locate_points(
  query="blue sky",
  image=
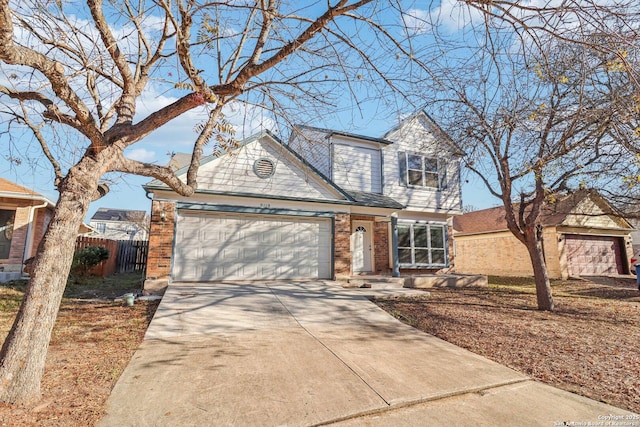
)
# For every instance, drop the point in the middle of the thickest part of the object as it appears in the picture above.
(368, 118)
(126, 191)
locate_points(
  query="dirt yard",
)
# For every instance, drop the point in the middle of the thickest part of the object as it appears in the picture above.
(93, 340)
(590, 345)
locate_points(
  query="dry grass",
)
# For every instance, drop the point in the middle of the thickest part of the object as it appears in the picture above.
(92, 342)
(589, 345)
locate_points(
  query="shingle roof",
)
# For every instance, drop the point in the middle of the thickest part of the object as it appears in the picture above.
(108, 214)
(353, 197)
(342, 133)
(493, 219)
(12, 187)
(374, 200)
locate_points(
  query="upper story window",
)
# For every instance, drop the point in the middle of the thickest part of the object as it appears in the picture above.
(101, 227)
(423, 171)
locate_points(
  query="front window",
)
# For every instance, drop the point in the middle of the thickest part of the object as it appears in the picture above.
(101, 227)
(421, 245)
(425, 171)
(6, 232)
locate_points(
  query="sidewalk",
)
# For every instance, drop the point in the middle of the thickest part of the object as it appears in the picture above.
(312, 354)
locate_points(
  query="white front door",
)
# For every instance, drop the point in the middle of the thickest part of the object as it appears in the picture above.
(361, 250)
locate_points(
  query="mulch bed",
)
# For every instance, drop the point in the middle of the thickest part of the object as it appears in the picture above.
(589, 345)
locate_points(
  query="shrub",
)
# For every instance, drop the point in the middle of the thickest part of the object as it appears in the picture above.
(87, 258)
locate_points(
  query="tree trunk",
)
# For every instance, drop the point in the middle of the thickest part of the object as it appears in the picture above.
(543, 287)
(23, 354)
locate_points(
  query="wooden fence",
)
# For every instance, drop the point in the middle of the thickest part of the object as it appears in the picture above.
(124, 255)
(132, 255)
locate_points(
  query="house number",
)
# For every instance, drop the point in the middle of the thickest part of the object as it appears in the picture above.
(265, 205)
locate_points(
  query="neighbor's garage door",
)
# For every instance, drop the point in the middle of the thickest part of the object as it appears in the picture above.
(222, 246)
(593, 255)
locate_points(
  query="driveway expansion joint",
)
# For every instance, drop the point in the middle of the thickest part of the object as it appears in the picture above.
(319, 341)
(410, 403)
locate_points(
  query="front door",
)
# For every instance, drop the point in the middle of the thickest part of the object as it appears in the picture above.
(361, 251)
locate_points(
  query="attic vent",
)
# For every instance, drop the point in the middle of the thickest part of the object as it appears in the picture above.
(264, 168)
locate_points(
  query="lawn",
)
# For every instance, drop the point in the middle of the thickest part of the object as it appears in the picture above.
(590, 345)
(93, 340)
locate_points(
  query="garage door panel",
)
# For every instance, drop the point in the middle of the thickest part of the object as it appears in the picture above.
(593, 255)
(221, 246)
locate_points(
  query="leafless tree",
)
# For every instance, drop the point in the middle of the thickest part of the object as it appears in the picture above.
(539, 112)
(76, 74)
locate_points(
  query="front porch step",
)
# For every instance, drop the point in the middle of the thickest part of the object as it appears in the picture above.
(373, 282)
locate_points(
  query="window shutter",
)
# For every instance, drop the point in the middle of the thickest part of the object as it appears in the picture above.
(442, 175)
(402, 167)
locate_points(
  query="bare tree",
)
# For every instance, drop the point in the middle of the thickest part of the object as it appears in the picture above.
(75, 75)
(536, 122)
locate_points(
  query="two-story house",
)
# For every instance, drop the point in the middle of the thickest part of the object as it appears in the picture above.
(324, 205)
(120, 224)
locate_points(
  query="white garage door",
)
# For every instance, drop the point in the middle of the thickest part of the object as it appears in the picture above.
(223, 246)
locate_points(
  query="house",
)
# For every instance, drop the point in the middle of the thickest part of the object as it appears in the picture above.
(582, 235)
(120, 224)
(635, 235)
(326, 204)
(24, 217)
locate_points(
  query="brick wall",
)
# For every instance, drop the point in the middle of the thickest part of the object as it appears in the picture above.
(41, 222)
(18, 240)
(501, 254)
(160, 240)
(342, 238)
(381, 247)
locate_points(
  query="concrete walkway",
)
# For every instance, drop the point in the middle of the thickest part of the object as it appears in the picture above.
(312, 353)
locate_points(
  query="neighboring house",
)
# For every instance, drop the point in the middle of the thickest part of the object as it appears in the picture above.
(635, 236)
(582, 236)
(327, 204)
(24, 217)
(120, 224)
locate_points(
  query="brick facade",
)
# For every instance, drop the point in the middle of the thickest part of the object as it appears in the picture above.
(160, 240)
(40, 224)
(342, 248)
(18, 240)
(381, 247)
(18, 249)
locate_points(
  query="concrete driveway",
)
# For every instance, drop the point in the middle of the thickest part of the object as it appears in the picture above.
(312, 353)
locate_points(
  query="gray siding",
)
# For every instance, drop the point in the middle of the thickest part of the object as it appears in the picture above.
(357, 167)
(234, 173)
(415, 136)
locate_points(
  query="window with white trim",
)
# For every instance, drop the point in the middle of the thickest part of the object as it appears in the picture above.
(423, 171)
(422, 245)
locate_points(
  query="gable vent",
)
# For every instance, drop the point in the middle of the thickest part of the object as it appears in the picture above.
(264, 168)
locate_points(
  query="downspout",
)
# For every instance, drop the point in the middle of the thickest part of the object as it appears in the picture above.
(29, 240)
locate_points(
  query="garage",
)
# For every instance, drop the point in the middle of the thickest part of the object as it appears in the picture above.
(593, 255)
(228, 246)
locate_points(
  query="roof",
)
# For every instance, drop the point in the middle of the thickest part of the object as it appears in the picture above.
(352, 197)
(347, 134)
(9, 189)
(12, 187)
(374, 200)
(555, 213)
(108, 214)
